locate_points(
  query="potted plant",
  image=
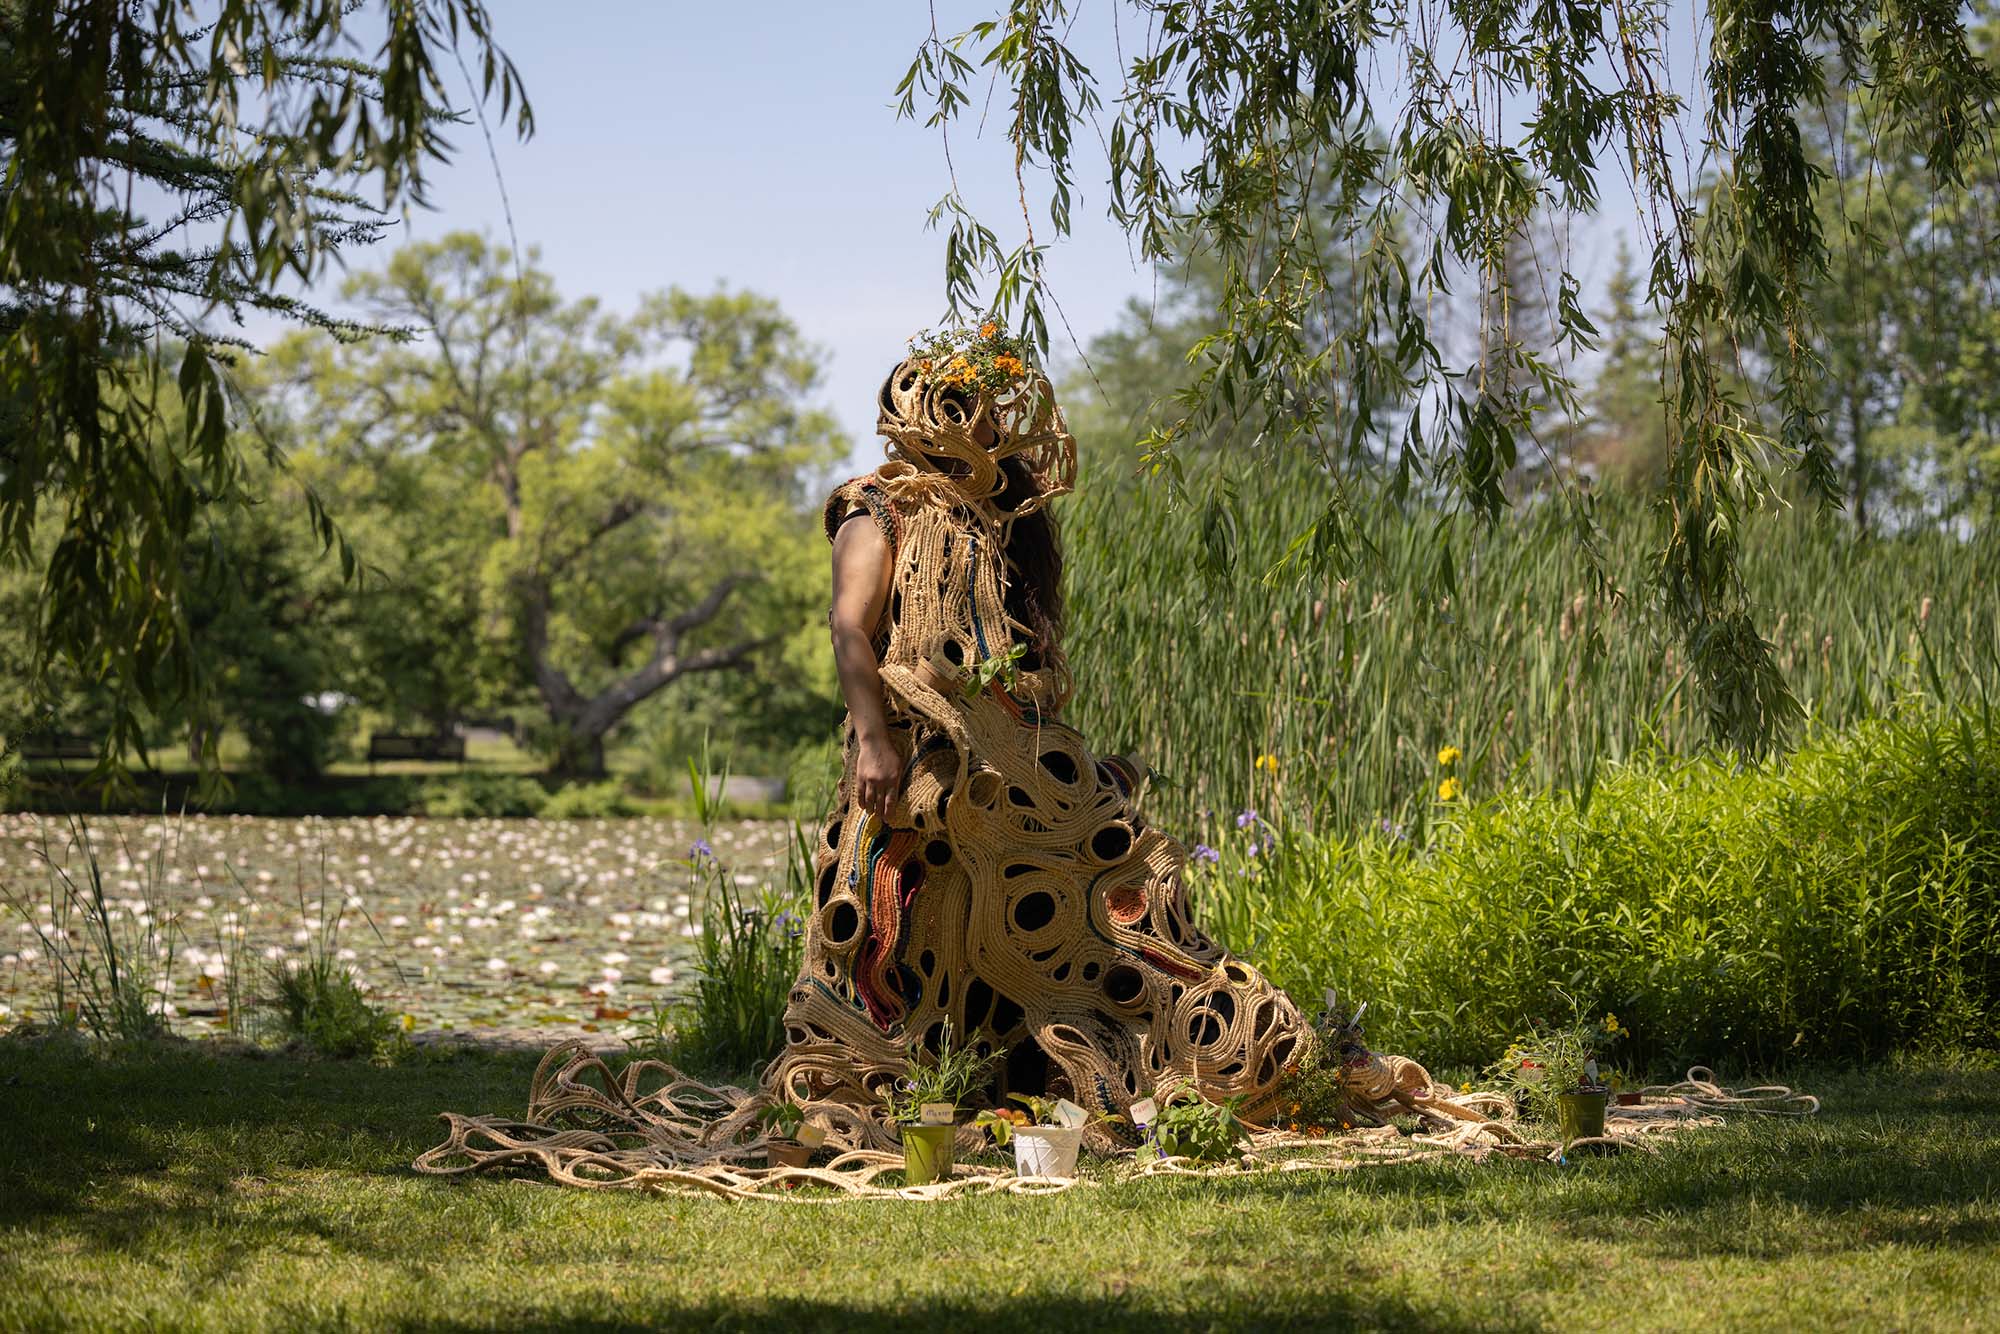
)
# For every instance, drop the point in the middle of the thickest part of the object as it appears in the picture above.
(792, 1138)
(1554, 1076)
(1183, 1124)
(924, 1105)
(1045, 1137)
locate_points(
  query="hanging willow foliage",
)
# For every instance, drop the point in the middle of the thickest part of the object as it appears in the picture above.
(1345, 162)
(164, 176)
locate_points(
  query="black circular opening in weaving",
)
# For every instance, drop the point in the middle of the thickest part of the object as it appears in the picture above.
(1111, 842)
(1123, 984)
(954, 652)
(1006, 1014)
(1016, 869)
(937, 852)
(1090, 971)
(1204, 1028)
(927, 963)
(1019, 796)
(826, 878)
(1035, 910)
(1224, 1006)
(1060, 765)
(843, 923)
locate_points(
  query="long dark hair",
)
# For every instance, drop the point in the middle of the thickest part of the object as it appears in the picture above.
(1034, 556)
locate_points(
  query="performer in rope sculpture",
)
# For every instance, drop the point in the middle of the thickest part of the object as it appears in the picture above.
(982, 867)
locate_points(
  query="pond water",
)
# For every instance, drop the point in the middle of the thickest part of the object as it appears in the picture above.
(510, 929)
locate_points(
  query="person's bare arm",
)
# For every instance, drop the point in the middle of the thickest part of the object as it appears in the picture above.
(861, 577)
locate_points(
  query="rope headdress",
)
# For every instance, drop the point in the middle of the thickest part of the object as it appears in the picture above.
(933, 402)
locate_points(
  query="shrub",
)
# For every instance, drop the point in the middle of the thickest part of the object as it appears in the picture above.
(481, 795)
(589, 801)
(1843, 902)
(319, 1002)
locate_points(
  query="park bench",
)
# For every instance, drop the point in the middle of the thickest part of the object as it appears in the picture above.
(60, 746)
(409, 746)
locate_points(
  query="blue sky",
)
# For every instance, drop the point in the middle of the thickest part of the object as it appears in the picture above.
(754, 145)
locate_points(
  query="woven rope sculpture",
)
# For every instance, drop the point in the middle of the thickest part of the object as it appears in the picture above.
(1014, 891)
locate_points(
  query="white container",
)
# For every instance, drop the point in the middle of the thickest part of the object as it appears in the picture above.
(1046, 1151)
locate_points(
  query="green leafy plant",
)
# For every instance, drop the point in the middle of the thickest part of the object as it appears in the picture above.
(1002, 667)
(1001, 1122)
(112, 956)
(747, 951)
(782, 1119)
(1187, 1125)
(944, 1076)
(318, 999)
(589, 801)
(1555, 1059)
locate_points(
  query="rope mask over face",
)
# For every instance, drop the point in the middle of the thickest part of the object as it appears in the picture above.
(935, 429)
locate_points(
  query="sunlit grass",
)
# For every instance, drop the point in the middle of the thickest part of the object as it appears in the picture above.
(187, 1190)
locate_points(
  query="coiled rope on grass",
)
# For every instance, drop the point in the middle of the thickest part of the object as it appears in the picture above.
(617, 1134)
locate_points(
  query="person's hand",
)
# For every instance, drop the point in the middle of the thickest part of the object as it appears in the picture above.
(878, 773)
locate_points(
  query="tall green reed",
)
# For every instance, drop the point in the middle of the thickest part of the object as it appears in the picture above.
(749, 943)
(1353, 685)
(111, 944)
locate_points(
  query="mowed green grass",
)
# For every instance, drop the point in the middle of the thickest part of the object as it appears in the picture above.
(190, 1190)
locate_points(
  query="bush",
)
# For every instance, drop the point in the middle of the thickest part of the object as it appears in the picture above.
(319, 1002)
(481, 795)
(589, 801)
(1843, 902)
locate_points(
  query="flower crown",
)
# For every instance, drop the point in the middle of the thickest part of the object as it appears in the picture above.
(952, 383)
(982, 358)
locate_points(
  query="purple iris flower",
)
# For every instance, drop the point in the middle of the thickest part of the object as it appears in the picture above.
(701, 849)
(1204, 853)
(1245, 818)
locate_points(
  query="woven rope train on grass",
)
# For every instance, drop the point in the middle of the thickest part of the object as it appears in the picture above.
(647, 1128)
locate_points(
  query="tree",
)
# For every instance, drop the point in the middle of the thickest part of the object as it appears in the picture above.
(165, 175)
(1626, 435)
(621, 488)
(1493, 112)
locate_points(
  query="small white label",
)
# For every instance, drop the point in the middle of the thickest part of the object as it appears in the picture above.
(1070, 1116)
(1590, 1071)
(810, 1135)
(1143, 1112)
(937, 1113)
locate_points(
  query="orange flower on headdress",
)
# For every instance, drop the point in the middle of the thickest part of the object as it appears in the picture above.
(988, 329)
(1009, 363)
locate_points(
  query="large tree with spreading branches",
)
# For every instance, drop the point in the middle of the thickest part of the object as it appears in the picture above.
(169, 175)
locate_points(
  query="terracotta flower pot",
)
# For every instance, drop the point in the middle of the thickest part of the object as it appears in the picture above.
(786, 1153)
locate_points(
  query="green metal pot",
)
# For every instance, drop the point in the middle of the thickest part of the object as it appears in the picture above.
(1581, 1115)
(927, 1154)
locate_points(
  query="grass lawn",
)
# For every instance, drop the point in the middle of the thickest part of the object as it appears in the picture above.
(187, 1189)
